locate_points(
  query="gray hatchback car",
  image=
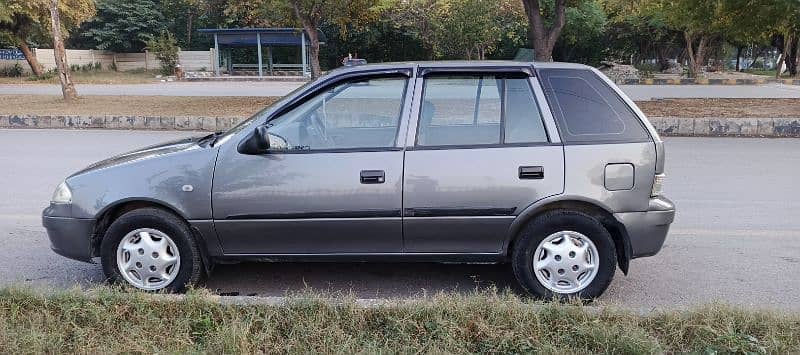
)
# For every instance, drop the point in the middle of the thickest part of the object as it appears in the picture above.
(546, 166)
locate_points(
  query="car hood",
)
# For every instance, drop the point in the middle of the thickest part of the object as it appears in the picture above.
(147, 153)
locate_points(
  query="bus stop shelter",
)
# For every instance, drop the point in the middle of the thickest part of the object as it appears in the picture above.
(260, 38)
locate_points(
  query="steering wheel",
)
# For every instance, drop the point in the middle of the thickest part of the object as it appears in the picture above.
(317, 132)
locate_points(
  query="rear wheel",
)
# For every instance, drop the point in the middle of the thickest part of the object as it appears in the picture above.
(152, 250)
(563, 254)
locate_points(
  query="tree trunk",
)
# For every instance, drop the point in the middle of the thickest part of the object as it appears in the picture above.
(313, 50)
(755, 58)
(67, 88)
(310, 23)
(790, 54)
(542, 38)
(36, 68)
(696, 58)
(663, 62)
(189, 20)
(738, 58)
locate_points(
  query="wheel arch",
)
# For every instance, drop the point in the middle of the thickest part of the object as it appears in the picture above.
(113, 211)
(593, 208)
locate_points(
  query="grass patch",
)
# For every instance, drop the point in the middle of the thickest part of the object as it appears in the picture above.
(487, 322)
(134, 105)
(88, 77)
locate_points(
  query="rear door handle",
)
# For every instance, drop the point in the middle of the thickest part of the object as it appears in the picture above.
(373, 176)
(531, 172)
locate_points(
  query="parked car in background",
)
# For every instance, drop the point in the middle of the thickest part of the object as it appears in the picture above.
(547, 166)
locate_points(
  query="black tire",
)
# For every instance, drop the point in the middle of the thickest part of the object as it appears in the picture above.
(190, 272)
(552, 222)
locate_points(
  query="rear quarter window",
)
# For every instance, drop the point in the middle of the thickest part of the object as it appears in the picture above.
(587, 110)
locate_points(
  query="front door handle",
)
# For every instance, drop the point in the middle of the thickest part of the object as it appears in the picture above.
(373, 176)
(531, 172)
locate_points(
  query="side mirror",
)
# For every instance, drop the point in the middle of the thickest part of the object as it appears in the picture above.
(256, 143)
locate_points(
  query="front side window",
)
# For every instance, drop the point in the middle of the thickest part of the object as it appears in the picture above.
(356, 114)
(478, 110)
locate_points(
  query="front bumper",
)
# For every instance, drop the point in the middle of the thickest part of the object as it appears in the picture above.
(648, 230)
(70, 237)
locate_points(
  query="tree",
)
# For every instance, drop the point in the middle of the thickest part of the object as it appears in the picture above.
(471, 29)
(420, 19)
(310, 14)
(634, 33)
(700, 21)
(545, 24)
(25, 20)
(67, 88)
(461, 29)
(786, 27)
(583, 38)
(124, 26)
(166, 50)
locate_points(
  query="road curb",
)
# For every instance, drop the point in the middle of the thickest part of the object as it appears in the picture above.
(705, 81)
(667, 126)
(727, 127)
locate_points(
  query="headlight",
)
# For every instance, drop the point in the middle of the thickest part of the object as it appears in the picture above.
(658, 185)
(62, 194)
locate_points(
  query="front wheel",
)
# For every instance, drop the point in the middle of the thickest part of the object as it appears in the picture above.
(564, 254)
(152, 250)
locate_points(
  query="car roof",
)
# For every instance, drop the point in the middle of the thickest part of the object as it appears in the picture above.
(455, 64)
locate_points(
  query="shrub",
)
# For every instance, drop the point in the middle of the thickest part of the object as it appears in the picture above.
(52, 73)
(12, 71)
(166, 50)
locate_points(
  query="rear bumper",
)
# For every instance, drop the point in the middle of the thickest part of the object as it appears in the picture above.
(648, 230)
(70, 237)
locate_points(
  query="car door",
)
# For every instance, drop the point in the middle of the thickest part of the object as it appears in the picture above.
(482, 152)
(331, 182)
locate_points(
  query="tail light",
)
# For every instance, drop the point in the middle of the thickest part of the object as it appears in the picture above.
(658, 185)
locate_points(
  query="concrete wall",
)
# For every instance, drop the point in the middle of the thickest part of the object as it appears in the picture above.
(189, 60)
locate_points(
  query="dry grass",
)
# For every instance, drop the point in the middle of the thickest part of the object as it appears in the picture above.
(90, 77)
(114, 321)
(725, 108)
(134, 105)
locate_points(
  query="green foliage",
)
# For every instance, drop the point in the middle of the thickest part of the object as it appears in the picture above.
(472, 29)
(46, 76)
(12, 71)
(459, 29)
(88, 67)
(166, 50)
(124, 26)
(583, 38)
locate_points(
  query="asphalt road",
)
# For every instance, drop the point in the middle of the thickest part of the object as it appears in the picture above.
(736, 237)
(636, 92)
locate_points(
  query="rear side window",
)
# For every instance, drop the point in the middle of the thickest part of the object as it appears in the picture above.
(588, 110)
(478, 110)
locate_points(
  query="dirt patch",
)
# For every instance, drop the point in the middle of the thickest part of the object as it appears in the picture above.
(723, 108)
(237, 106)
(135, 105)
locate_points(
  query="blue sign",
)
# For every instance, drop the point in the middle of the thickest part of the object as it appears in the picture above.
(11, 54)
